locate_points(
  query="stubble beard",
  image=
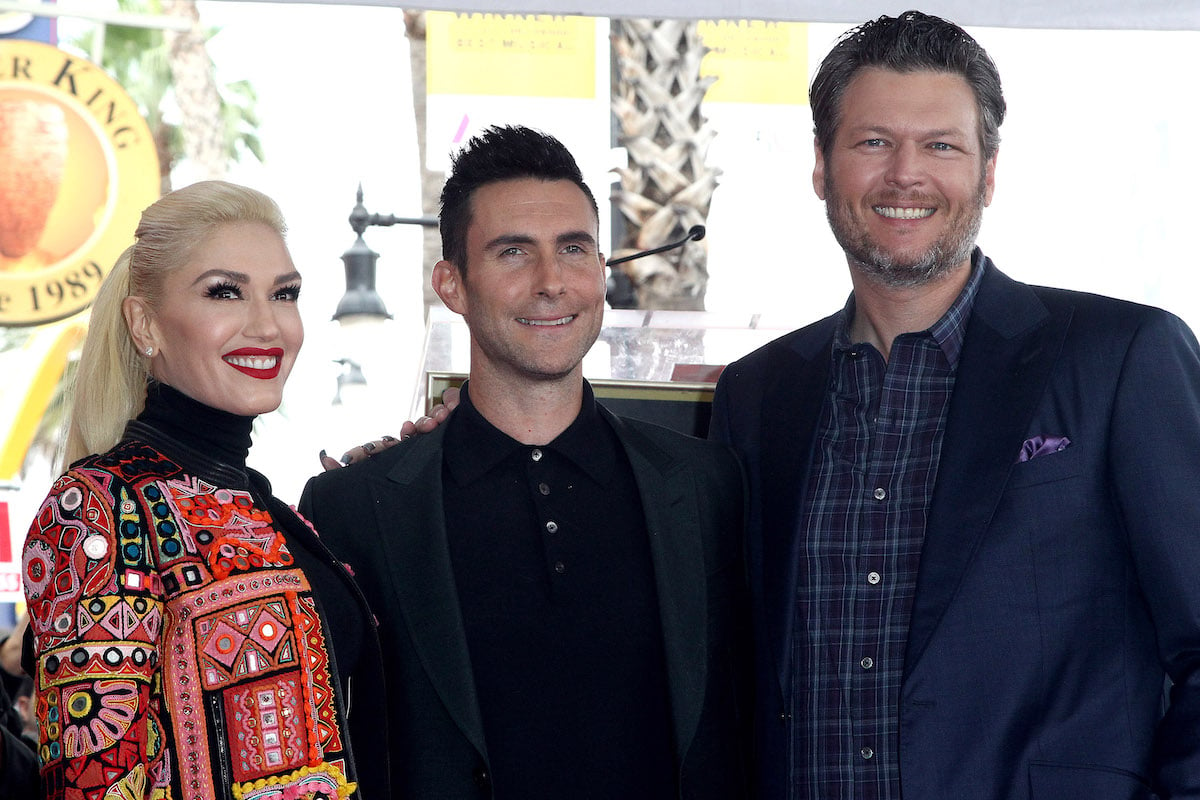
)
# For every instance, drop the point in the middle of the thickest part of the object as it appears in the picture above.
(890, 269)
(528, 364)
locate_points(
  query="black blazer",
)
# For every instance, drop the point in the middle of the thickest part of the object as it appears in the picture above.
(385, 518)
(1054, 595)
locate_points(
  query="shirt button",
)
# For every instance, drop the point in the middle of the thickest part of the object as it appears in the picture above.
(551, 527)
(536, 455)
(544, 489)
(867, 753)
(873, 578)
(560, 567)
(867, 662)
(880, 493)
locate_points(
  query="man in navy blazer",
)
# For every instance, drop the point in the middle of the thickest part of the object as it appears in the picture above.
(560, 592)
(974, 540)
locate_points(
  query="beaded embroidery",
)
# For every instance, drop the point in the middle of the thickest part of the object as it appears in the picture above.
(179, 650)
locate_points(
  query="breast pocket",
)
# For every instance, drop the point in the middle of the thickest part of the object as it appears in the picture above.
(1049, 468)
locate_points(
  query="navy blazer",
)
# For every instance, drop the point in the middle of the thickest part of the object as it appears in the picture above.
(385, 517)
(1055, 596)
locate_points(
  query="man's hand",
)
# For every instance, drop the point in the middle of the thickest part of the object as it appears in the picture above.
(426, 424)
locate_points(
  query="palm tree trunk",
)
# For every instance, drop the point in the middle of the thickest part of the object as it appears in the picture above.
(431, 181)
(667, 186)
(196, 92)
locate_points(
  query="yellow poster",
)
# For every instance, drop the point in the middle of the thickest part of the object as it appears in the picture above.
(77, 166)
(511, 54)
(756, 61)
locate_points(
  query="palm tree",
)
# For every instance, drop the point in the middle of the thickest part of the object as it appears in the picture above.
(219, 123)
(667, 186)
(196, 92)
(431, 180)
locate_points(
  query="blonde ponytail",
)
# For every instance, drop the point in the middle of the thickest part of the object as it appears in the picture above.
(110, 382)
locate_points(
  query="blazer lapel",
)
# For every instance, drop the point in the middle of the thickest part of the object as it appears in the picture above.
(408, 503)
(668, 493)
(798, 381)
(1009, 352)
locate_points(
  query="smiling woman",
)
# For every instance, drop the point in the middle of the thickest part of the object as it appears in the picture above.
(191, 635)
(226, 330)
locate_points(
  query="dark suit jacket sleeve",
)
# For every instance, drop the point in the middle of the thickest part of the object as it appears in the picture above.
(1155, 463)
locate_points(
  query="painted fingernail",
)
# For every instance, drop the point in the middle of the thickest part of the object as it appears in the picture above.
(389, 438)
(346, 458)
(323, 455)
(369, 447)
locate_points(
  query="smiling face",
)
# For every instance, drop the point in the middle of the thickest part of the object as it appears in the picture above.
(533, 291)
(227, 329)
(905, 182)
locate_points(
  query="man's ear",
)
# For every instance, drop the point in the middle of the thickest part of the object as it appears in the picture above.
(448, 283)
(989, 178)
(818, 170)
(139, 319)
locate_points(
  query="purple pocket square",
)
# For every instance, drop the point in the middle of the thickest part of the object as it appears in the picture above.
(1041, 445)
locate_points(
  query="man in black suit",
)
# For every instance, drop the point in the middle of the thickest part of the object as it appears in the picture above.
(559, 590)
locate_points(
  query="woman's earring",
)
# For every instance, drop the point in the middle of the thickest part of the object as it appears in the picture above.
(149, 351)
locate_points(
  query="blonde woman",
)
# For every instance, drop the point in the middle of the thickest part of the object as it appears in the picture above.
(194, 639)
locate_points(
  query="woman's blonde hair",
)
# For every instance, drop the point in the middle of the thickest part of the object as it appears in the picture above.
(110, 383)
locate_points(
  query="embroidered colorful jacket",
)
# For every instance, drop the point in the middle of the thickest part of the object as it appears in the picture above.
(180, 650)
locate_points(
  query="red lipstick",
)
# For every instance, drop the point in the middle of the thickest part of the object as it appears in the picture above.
(256, 362)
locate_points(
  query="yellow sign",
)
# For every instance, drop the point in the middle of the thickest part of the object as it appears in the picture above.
(756, 61)
(511, 54)
(77, 166)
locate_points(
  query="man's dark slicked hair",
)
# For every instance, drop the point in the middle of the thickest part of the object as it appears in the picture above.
(500, 153)
(912, 42)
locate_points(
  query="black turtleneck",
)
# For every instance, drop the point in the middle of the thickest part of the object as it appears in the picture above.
(213, 445)
(215, 434)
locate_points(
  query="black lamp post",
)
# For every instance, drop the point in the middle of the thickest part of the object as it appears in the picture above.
(361, 299)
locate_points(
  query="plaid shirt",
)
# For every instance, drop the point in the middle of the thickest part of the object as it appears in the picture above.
(863, 523)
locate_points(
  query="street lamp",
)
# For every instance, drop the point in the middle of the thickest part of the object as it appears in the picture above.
(361, 300)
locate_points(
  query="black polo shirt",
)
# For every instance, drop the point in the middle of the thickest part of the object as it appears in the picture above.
(554, 576)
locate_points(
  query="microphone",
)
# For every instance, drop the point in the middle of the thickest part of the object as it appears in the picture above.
(694, 234)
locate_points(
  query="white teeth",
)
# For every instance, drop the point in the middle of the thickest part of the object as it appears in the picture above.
(545, 323)
(252, 362)
(891, 212)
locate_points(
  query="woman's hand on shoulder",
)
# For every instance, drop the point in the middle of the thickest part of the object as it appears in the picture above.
(426, 424)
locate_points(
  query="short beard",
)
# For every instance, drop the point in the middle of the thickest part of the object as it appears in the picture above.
(939, 260)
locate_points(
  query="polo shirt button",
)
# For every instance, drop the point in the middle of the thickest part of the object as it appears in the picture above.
(867, 662)
(481, 777)
(536, 455)
(560, 567)
(551, 526)
(867, 753)
(873, 578)
(880, 493)
(544, 489)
